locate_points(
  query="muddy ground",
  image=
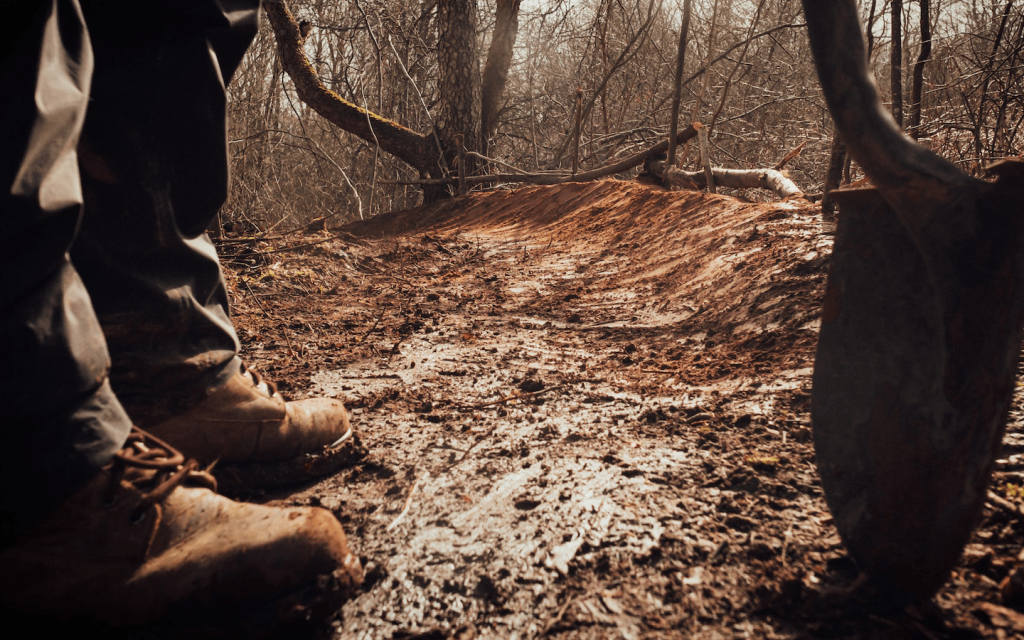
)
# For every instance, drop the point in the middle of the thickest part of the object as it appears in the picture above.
(585, 415)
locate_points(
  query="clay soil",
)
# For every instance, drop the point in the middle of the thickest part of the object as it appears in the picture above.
(585, 414)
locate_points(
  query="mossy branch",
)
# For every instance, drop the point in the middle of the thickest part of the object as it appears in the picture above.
(409, 146)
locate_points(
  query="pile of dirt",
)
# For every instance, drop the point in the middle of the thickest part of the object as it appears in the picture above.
(586, 415)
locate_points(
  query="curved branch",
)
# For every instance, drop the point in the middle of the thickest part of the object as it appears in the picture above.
(405, 144)
(916, 182)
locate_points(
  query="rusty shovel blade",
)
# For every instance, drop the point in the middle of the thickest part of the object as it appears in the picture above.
(913, 379)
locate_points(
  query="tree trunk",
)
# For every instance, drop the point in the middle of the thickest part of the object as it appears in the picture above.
(499, 57)
(458, 80)
(914, 117)
(677, 87)
(896, 62)
(833, 176)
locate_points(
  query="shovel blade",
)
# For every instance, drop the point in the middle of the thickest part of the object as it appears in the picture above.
(907, 411)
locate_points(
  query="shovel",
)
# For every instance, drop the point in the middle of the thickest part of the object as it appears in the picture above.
(920, 333)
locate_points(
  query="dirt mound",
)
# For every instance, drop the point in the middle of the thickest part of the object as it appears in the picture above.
(705, 262)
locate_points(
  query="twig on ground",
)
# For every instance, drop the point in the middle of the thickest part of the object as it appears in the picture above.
(1005, 504)
(376, 322)
(512, 396)
(258, 303)
(296, 247)
(597, 325)
(465, 454)
(408, 501)
(550, 624)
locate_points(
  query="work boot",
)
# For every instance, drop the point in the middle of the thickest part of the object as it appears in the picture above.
(247, 420)
(147, 540)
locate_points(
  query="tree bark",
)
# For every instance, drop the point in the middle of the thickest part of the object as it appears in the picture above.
(499, 57)
(677, 87)
(458, 76)
(914, 117)
(833, 176)
(413, 148)
(896, 62)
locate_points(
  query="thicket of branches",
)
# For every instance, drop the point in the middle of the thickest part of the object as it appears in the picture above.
(748, 76)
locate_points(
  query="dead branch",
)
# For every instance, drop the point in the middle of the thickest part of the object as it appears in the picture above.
(561, 178)
(408, 501)
(705, 159)
(789, 156)
(1004, 504)
(408, 145)
(627, 54)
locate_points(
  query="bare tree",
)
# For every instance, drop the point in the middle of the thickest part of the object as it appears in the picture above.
(914, 117)
(896, 61)
(293, 164)
(499, 58)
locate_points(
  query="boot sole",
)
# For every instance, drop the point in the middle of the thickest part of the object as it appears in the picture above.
(242, 477)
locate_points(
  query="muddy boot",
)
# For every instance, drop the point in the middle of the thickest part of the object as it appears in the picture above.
(258, 438)
(147, 541)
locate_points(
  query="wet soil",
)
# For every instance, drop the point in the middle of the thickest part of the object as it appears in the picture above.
(585, 410)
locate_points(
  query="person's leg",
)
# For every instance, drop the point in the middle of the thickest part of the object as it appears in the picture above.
(62, 423)
(98, 519)
(155, 171)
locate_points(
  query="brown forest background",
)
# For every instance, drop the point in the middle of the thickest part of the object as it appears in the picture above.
(748, 76)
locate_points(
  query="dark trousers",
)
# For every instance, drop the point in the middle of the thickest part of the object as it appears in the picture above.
(115, 311)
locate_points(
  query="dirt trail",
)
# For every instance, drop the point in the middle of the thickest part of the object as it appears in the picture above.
(586, 415)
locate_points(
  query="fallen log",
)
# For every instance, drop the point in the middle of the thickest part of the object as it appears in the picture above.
(674, 178)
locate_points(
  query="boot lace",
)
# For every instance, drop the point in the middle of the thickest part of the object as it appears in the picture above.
(155, 468)
(265, 386)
